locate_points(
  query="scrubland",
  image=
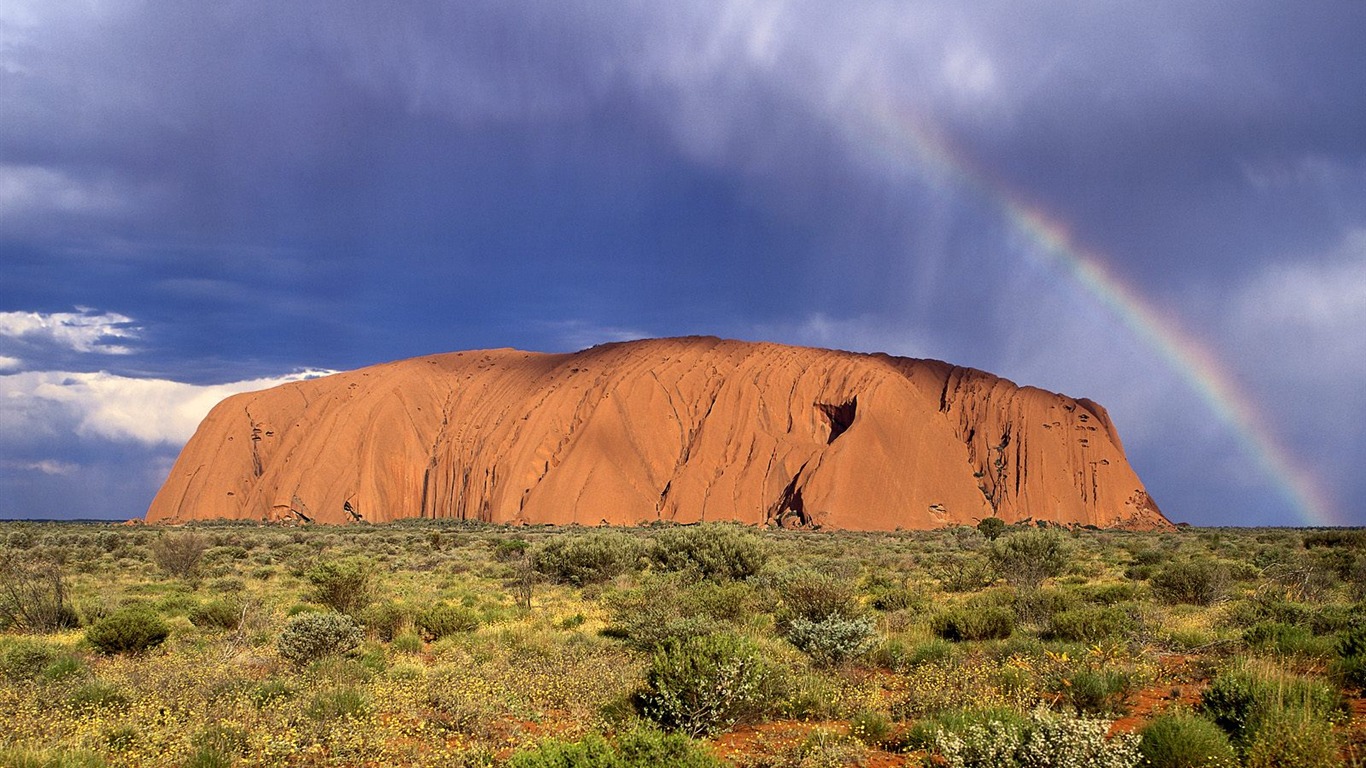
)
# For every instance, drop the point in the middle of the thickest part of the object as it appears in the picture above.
(455, 644)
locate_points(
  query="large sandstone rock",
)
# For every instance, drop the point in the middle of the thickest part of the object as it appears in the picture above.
(670, 429)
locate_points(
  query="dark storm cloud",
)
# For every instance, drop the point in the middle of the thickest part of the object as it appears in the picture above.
(264, 187)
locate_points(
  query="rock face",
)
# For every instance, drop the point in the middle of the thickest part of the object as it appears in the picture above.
(670, 429)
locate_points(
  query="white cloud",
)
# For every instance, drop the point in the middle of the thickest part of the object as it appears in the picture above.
(28, 189)
(855, 334)
(1308, 314)
(82, 331)
(8, 363)
(103, 405)
(969, 73)
(45, 466)
(573, 335)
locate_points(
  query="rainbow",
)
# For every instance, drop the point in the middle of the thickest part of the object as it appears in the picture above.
(907, 140)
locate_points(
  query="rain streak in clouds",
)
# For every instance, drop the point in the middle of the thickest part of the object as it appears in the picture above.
(201, 200)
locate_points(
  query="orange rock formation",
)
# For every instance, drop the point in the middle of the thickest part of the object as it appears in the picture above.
(670, 429)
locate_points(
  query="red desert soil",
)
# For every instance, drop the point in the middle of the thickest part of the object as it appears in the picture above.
(667, 429)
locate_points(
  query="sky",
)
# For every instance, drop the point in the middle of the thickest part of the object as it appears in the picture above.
(1160, 206)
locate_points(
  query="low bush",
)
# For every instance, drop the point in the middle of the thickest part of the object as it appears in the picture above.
(1039, 606)
(1110, 594)
(337, 703)
(1185, 740)
(132, 629)
(344, 586)
(510, 550)
(24, 658)
(1190, 582)
(1242, 696)
(1025, 559)
(964, 573)
(1287, 639)
(1090, 625)
(814, 596)
(871, 728)
(834, 639)
(640, 747)
(983, 622)
(704, 684)
(312, 636)
(179, 554)
(1044, 740)
(1287, 737)
(664, 608)
(992, 528)
(225, 613)
(220, 742)
(64, 667)
(443, 620)
(716, 551)
(897, 598)
(33, 596)
(1095, 691)
(96, 695)
(384, 620)
(587, 559)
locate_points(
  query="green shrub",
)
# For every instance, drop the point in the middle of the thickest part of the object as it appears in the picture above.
(24, 658)
(96, 695)
(225, 613)
(1039, 606)
(344, 586)
(311, 636)
(508, 550)
(814, 596)
(871, 728)
(1096, 691)
(664, 608)
(337, 703)
(61, 668)
(992, 528)
(408, 642)
(636, 748)
(1045, 740)
(832, 640)
(716, 551)
(1352, 642)
(224, 740)
(982, 622)
(587, 559)
(384, 620)
(208, 757)
(443, 620)
(1240, 697)
(704, 684)
(897, 598)
(964, 573)
(1109, 594)
(1287, 639)
(1350, 539)
(1025, 559)
(1292, 737)
(33, 596)
(17, 757)
(133, 629)
(179, 554)
(1090, 625)
(270, 691)
(1189, 582)
(1184, 740)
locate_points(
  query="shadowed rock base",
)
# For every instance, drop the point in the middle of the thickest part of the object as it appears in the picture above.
(670, 429)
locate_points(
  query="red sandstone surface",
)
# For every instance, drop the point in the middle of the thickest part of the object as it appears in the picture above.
(667, 429)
